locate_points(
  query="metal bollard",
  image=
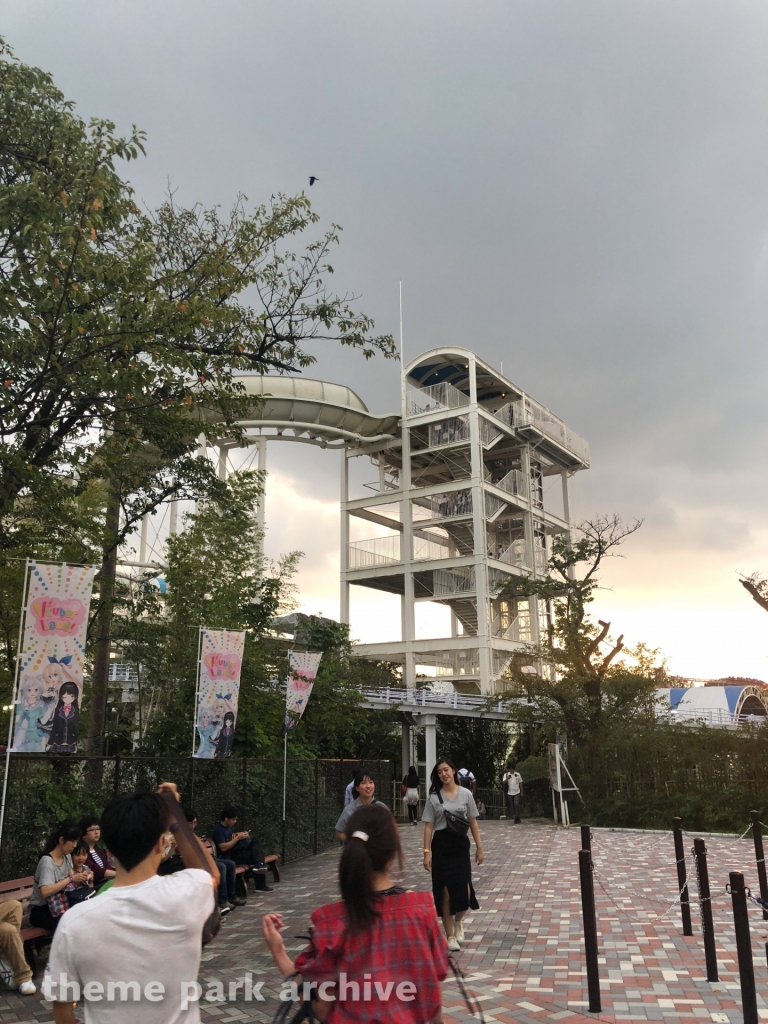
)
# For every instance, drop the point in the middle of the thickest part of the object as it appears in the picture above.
(590, 930)
(707, 927)
(586, 838)
(682, 876)
(757, 835)
(743, 948)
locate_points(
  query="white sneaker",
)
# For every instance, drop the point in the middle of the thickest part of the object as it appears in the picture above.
(27, 988)
(453, 944)
(458, 930)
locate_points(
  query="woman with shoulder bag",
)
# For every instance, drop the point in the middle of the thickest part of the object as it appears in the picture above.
(53, 875)
(378, 954)
(449, 814)
(411, 794)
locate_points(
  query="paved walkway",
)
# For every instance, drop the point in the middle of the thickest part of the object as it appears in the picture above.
(523, 956)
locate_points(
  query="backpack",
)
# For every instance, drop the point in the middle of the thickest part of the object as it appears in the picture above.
(465, 781)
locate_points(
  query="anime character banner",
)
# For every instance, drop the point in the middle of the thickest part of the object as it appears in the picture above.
(218, 691)
(303, 666)
(50, 682)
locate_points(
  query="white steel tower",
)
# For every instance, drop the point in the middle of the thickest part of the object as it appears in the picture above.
(459, 505)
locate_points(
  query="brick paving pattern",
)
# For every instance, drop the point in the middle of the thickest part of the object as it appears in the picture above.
(523, 955)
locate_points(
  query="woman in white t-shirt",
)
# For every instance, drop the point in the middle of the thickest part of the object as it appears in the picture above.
(446, 853)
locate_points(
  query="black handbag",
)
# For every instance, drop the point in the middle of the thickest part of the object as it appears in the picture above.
(453, 822)
(80, 894)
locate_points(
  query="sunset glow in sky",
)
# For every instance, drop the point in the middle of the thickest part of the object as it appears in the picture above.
(577, 190)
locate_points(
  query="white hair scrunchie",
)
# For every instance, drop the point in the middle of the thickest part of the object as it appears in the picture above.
(360, 835)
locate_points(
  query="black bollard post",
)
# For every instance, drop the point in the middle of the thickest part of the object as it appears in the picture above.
(682, 876)
(757, 835)
(586, 838)
(705, 905)
(590, 930)
(743, 948)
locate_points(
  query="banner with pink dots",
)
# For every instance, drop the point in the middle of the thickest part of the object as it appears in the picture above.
(51, 660)
(218, 691)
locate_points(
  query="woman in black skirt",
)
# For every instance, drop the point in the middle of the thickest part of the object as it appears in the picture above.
(446, 854)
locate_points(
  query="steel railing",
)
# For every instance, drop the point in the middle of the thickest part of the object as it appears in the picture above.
(362, 554)
(434, 397)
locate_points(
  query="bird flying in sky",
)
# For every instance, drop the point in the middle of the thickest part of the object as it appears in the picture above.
(312, 180)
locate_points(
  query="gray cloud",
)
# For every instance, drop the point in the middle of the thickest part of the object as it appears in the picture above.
(575, 189)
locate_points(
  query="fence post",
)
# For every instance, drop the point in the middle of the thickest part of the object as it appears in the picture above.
(586, 838)
(682, 876)
(743, 948)
(757, 835)
(117, 774)
(243, 795)
(317, 798)
(590, 930)
(705, 904)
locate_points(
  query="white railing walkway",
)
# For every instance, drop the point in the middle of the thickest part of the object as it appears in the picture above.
(716, 717)
(437, 703)
(520, 413)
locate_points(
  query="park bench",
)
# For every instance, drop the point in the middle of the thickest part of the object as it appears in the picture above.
(272, 862)
(21, 889)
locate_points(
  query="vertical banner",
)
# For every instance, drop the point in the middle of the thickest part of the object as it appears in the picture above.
(302, 670)
(218, 691)
(50, 674)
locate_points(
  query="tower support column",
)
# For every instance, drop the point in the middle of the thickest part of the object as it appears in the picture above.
(430, 736)
(405, 755)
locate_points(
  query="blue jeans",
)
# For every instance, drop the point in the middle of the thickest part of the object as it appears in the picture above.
(227, 890)
(513, 805)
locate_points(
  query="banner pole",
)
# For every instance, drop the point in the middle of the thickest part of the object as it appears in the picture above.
(285, 777)
(12, 717)
(197, 688)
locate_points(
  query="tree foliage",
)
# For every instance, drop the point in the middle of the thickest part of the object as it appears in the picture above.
(120, 329)
(583, 677)
(480, 744)
(756, 585)
(216, 576)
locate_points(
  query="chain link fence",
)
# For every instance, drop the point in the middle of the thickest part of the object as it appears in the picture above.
(44, 790)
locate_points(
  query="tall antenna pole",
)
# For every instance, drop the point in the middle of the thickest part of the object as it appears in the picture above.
(402, 360)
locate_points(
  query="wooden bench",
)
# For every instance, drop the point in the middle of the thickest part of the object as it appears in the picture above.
(21, 889)
(271, 861)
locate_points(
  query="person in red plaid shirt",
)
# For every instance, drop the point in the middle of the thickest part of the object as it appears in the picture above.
(379, 955)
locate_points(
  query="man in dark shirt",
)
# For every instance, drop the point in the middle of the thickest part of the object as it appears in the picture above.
(239, 847)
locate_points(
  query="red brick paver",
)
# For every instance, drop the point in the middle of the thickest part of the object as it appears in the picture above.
(523, 956)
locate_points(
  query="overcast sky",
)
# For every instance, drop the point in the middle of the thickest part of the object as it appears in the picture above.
(578, 190)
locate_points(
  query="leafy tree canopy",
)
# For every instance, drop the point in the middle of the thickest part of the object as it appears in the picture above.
(578, 679)
(120, 329)
(216, 576)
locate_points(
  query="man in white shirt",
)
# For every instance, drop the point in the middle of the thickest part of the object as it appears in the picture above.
(133, 953)
(467, 780)
(513, 787)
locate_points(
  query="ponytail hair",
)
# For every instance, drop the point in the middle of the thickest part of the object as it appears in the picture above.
(361, 857)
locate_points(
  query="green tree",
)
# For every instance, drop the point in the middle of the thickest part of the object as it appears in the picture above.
(121, 329)
(121, 324)
(479, 744)
(216, 575)
(578, 679)
(335, 724)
